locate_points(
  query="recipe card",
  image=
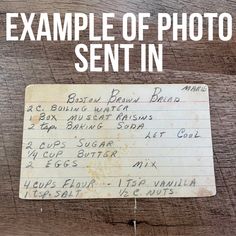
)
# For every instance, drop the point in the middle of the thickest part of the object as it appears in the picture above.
(116, 141)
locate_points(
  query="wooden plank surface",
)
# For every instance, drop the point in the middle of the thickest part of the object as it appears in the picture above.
(213, 63)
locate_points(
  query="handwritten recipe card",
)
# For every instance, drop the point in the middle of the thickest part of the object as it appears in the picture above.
(117, 141)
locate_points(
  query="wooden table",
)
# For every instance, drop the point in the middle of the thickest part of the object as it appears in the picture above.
(213, 63)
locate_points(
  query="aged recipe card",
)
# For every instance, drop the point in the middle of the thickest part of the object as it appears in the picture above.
(117, 141)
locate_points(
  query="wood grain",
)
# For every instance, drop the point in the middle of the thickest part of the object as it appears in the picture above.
(213, 63)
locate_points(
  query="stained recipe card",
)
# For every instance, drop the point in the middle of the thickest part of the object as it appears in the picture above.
(117, 141)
